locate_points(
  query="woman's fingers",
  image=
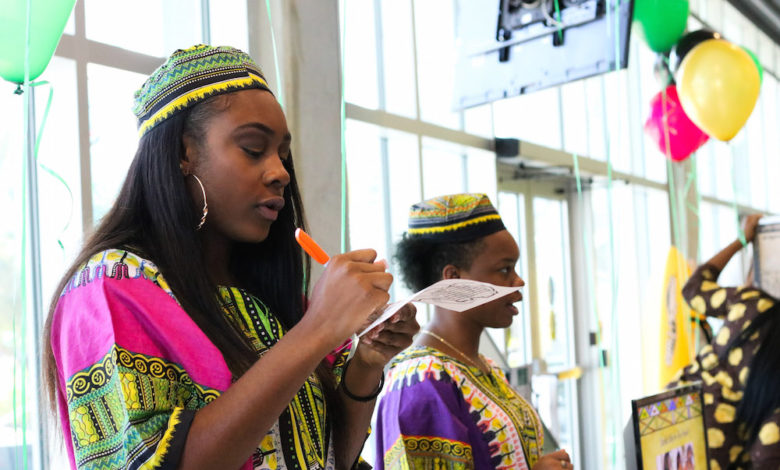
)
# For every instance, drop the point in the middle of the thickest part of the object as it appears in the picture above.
(554, 460)
(367, 256)
(396, 341)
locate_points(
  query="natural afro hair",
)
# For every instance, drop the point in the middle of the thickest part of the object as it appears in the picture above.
(421, 261)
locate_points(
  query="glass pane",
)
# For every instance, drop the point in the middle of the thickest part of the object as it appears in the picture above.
(444, 168)
(365, 189)
(654, 160)
(757, 177)
(229, 25)
(718, 229)
(704, 159)
(534, 117)
(625, 222)
(766, 52)
(436, 55)
(404, 175)
(712, 13)
(479, 120)
(70, 26)
(11, 197)
(361, 85)
(554, 315)
(552, 275)
(151, 27)
(511, 206)
(724, 179)
(733, 23)
(594, 107)
(481, 172)
(576, 125)
(58, 161)
(397, 48)
(772, 142)
(618, 119)
(112, 131)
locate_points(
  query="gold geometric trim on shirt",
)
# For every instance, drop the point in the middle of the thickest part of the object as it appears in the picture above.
(95, 377)
(428, 453)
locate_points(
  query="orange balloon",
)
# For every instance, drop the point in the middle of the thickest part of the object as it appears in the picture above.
(718, 84)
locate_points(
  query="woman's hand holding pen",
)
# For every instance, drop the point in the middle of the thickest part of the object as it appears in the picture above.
(350, 289)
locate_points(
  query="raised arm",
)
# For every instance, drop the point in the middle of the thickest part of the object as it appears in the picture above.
(702, 291)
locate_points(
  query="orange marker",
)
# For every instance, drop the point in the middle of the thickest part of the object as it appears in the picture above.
(311, 247)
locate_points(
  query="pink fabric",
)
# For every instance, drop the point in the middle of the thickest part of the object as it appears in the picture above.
(134, 314)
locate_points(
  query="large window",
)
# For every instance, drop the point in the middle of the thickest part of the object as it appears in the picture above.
(399, 80)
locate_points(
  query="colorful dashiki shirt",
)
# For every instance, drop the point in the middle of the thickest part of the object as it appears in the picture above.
(438, 413)
(724, 372)
(133, 369)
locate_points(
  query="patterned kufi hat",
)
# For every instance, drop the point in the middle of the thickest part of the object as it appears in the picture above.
(190, 76)
(454, 218)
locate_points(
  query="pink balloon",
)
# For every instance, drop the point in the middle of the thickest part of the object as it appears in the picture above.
(667, 118)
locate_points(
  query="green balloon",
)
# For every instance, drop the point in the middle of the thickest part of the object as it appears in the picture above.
(662, 22)
(758, 64)
(47, 21)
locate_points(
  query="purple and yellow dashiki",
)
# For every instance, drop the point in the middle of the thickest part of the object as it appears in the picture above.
(133, 369)
(439, 413)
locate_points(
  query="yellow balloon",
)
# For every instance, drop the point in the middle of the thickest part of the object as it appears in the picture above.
(718, 84)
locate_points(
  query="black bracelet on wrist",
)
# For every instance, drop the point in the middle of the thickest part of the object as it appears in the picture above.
(355, 397)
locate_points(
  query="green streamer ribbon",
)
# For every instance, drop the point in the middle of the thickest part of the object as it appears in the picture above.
(25, 203)
(343, 131)
(615, 363)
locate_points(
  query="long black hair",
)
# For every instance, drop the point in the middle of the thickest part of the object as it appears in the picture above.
(155, 217)
(761, 396)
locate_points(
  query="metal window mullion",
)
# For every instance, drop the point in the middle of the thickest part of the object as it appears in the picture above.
(417, 114)
(380, 55)
(205, 21)
(81, 59)
(384, 156)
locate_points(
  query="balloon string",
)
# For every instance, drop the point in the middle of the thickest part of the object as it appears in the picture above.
(38, 138)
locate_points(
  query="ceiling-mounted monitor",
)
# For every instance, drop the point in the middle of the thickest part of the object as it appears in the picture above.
(510, 47)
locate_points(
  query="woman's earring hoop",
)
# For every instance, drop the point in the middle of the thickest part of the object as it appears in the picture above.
(205, 204)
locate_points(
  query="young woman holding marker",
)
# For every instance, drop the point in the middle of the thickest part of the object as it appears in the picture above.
(181, 337)
(444, 404)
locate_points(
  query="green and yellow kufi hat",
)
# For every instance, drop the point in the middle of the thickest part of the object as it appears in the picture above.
(454, 218)
(190, 76)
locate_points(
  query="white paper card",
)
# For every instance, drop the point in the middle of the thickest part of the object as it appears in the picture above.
(458, 295)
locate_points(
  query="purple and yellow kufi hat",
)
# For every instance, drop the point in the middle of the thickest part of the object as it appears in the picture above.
(190, 76)
(454, 218)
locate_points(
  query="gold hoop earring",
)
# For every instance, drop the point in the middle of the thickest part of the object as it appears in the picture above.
(205, 204)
